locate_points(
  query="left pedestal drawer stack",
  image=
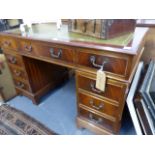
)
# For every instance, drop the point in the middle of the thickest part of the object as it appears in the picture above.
(16, 65)
(18, 72)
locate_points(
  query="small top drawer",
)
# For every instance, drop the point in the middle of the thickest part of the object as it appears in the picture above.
(8, 43)
(114, 90)
(27, 47)
(114, 65)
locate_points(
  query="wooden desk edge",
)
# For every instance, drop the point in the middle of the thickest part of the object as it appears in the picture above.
(139, 34)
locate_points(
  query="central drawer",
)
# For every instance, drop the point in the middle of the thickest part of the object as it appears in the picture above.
(49, 51)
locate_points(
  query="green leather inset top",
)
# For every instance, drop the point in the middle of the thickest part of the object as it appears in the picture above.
(49, 31)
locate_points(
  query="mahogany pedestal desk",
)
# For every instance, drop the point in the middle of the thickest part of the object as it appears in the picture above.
(41, 59)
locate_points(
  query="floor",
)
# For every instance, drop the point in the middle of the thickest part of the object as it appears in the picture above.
(57, 111)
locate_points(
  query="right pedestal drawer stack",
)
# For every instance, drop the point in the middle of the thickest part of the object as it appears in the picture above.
(99, 111)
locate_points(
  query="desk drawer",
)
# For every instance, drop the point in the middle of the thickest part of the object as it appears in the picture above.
(14, 59)
(8, 43)
(114, 65)
(27, 47)
(21, 85)
(96, 119)
(47, 51)
(102, 106)
(56, 52)
(114, 90)
(18, 72)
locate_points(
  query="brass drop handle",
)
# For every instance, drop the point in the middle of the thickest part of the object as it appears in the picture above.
(92, 85)
(99, 107)
(12, 59)
(91, 117)
(20, 84)
(28, 48)
(17, 73)
(7, 43)
(58, 55)
(94, 64)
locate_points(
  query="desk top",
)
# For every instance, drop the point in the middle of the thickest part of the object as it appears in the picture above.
(128, 43)
(50, 32)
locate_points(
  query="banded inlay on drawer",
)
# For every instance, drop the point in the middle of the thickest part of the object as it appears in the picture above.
(9, 43)
(98, 105)
(115, 65)
(114, 90)
(48, 51)
(27, 47)
(56, 52)
(18, 72)
(14, 59)
(96, 119)
(21, 85)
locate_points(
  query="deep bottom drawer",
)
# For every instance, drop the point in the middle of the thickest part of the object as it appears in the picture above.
(21, 85)
(97, 120)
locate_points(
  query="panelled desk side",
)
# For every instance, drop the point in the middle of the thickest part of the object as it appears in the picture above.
(101, 112)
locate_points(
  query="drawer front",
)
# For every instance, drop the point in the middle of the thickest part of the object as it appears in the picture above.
(99, 105)
(114, 90)
(21, 85)
(96, 119)
(14, 59)
(27, 47)
(8, 43)
(111, 64)
(47, 51)
(56, 52)
(18, 72)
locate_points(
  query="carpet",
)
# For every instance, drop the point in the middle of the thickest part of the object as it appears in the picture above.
(15, 122)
